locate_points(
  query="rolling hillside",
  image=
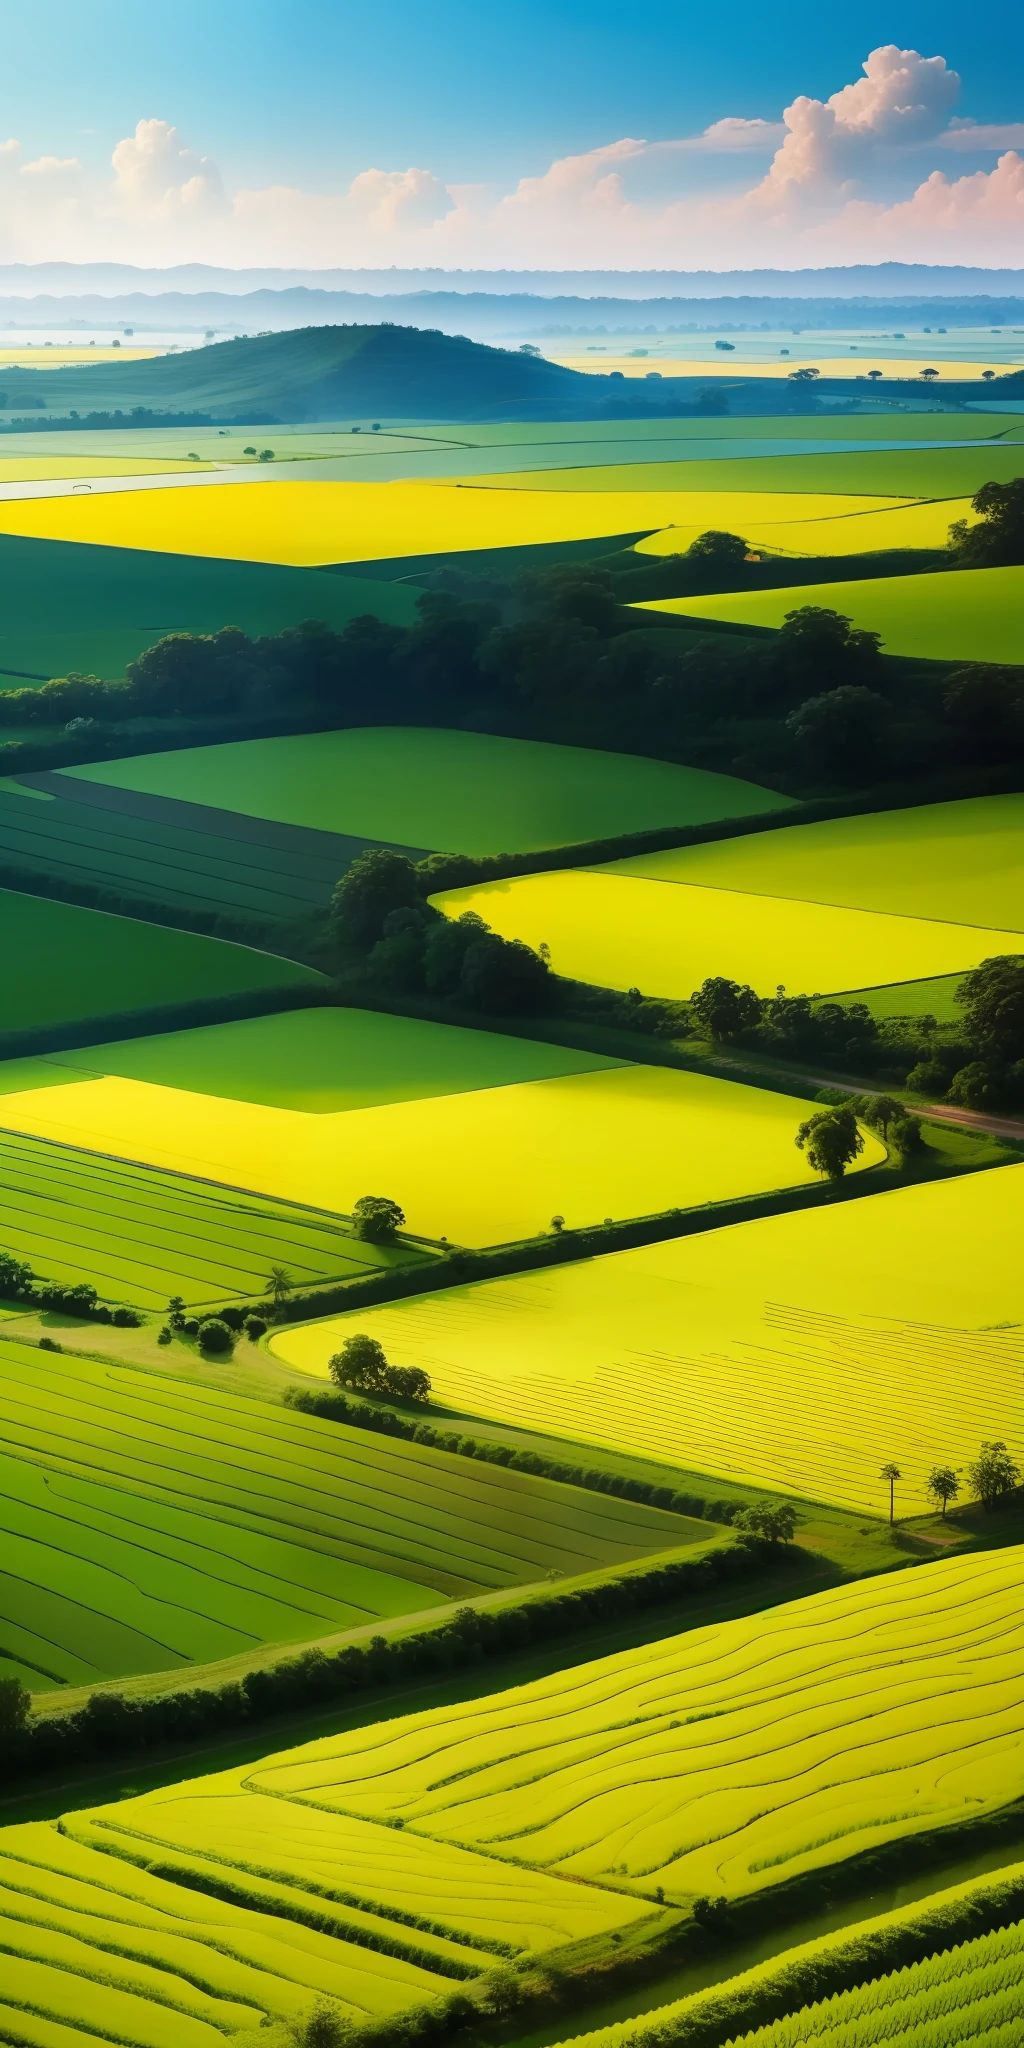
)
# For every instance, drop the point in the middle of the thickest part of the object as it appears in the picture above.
(336, 372)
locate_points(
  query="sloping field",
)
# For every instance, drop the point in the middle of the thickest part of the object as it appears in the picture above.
(620, 928)
(140, 1235)
(866, 473)
(92, 1945)
(16, 469)
(89, 609)
(309, 524)
(454, 792)
(148, 848)
(591, 1141)
(147, 1523)
(966, 1990)
(724, 1760)
(974, 1992)
(951, 615)
(828, 532)
(801, 1352)
(74, 963)
(960, 863)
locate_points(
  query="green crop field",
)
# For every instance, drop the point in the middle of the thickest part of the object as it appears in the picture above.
(622, 928)
(146, 848)
(954, 614)
(875, 472)
(67, 606)
(140, 1235)
(725, 1760)
(149, 1524)
(455, 792)
(378, 1865)
(800, 1352)
(971, 1993)
(420, 1112)
(959, 1990)
(73, 964)
(961, 863)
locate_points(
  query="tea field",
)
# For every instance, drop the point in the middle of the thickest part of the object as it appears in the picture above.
(74, 964)
(148, 1524)
(623, 927)
(323, 1107)
(424, 787)
(800, 1352)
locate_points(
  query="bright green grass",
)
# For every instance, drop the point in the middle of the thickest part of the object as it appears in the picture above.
(65, 963)
(952, 615)
(959, 863)
(76, 607)
(936, 998)
(139, 1234)
(323, 1060)
(147, 1523)
(901, 473)
(459, 792)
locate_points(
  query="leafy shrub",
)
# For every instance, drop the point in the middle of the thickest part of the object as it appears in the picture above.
(190, 1327)
(48, 1344)
(126, 1319)
(254, 1326)
(377, 1219)
(165, 1335)
(214, 1334)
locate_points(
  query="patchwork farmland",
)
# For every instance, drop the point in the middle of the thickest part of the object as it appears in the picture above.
(511, 1138)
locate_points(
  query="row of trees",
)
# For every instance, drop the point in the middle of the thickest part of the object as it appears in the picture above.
(993, 1477)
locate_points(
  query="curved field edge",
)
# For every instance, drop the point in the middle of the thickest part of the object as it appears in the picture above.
(836, 1963)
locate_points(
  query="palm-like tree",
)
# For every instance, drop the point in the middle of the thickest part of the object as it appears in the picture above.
(279, 1284)
(891, 1473)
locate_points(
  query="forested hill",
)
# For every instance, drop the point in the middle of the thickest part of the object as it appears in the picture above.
(320, 373)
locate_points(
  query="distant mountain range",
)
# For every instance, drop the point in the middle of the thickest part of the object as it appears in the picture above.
(873, 280)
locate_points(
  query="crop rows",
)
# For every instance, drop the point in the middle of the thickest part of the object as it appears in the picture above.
(724, 1760)
(799, 1351)
(148, 1523)
(972, 1993)
(176, 863)
(139, 1234)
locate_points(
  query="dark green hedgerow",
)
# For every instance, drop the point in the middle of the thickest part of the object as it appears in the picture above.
(334, 1407)
(112, 1724)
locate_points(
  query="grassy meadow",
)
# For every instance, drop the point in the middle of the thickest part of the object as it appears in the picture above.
(584, 1137)
(149, 1524)
(800, 1352)
(75, 964)
(958, 614)
(450, 792)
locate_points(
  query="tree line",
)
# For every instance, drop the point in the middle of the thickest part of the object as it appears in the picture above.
(554, 654)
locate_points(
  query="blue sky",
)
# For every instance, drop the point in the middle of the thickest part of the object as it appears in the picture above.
(312, 94)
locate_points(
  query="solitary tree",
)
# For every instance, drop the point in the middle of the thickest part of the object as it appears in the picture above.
(322, 2027)
(874, 375)
(724, 1009)
(715, 550)
(996, 541)
(831, 1141)
(279, 1284)
(773, 1523)
(361, 1362)
(943, 1486)
(929, 376)
(891, 1473)
(377, 1219)
(994, 1475)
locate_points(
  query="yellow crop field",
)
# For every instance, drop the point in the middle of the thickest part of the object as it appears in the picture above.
(960, 862)
(52, 355)
(740, 366)
(858, 532)
(615, 927)
(801, 1352)
(309, 524)
(487, 1166)
(18, 469)
(725, 1760)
